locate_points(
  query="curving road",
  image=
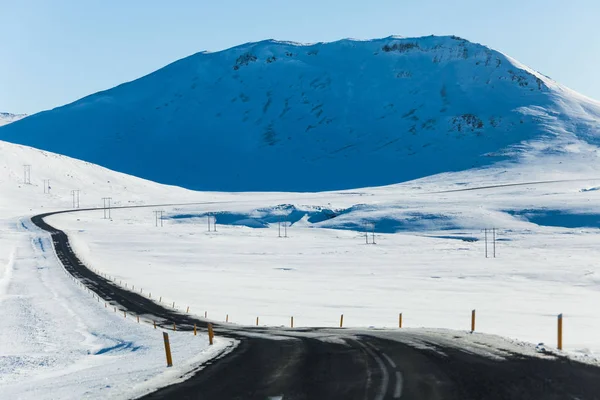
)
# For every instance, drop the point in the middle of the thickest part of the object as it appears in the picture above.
(276, 363)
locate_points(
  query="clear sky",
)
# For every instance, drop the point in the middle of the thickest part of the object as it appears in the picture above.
(53, 52)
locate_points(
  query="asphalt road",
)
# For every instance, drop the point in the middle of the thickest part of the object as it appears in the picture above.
(274, 363)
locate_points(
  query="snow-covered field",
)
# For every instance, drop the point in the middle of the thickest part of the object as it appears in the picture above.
(432, 269)
(428, 263)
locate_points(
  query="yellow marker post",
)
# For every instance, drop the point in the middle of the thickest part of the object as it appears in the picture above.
(400, 320)
(154, 323)
(211, 334)
(473, 321)
(256, 321)
(168, 349)
(227, 318)
(174, 326)
(292, 322)
(138, 319)
(188, 309)
(560, 324)
(205, 314)
(342, 321)
(194, 329)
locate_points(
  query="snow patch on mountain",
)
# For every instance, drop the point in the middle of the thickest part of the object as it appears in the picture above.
(7, 118)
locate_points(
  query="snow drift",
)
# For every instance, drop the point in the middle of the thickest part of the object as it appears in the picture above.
(283, 116)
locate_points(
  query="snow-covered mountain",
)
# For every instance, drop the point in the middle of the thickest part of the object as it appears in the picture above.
(284, 116)
(7, 118)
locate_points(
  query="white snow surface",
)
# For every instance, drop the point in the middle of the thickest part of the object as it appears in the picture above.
(421, 265)
(425, 263)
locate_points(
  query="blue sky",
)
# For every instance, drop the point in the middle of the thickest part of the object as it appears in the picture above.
(54, 52)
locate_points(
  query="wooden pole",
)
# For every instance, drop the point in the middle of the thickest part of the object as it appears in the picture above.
(400, 320)
(168, 349)
(292, 322)
(342, 321)
(560, 326)
(473, 321)
(211, 334)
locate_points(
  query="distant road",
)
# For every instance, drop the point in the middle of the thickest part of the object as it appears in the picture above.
(516, 184)
(320, 363)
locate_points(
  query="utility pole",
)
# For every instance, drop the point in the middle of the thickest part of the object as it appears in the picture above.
(75, 194)
(106, 200)
(213, 219)
(27, 174)
(486, 247)
(369, 226)
(156, 217)
(494, 240)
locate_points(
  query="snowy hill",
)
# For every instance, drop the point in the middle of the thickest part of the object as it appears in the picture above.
(284, 116)
(63, 174)
(7, 118)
